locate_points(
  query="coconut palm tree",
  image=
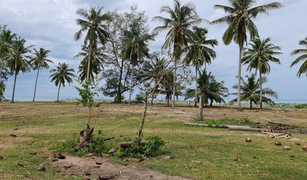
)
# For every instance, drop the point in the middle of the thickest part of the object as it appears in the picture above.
(17, 59)
(96, 65)
(199, 53)
(95, 29)
(251, 91)
(203, 85)
(60, 75)
(239, 18)
(303, 56)
(182, 17)
(135, 48)
(6, 41)
(258, 57)
(38, 62)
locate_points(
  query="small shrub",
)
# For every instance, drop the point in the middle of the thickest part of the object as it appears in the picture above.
(139, 97)
(217, 125)
(116, 99)
(300, 106)
(152, 145)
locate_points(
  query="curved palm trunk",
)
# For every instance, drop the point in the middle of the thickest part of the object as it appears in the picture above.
(239, 77)
(131, 81)
(200, 113)
(35, 84)
(139, 135)
(260, 76)
(58, 93)
(174, 85)
(196, 68)
(13, 94)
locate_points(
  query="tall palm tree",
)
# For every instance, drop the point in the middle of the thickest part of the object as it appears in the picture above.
(96, 65)
(239, 18)
(135, 48)
(60, 75)
(199, 53)
(17, 59)
(303, 56)
(38, 62)
(251, 91)
(181, 18)
(95, 29)
(6, 41)
(258, 57)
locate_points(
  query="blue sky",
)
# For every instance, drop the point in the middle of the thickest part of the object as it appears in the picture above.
(52, 24)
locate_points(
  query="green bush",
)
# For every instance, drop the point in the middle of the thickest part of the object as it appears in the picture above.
(300, 106)
(152, 145)
(139, 97)
(116, 99)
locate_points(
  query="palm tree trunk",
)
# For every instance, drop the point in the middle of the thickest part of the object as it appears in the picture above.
(13, 94)
(250, 104)
(35, 84)
(139, 135)
(200, 114)
(58, 93)
(1, 67)
(239, 77)
(167, 100)
(119, 94)
(260, 76)
(131, 81)
(89, 62)
(152, 98)
(211, 102)
(174, 85)
(196, 68)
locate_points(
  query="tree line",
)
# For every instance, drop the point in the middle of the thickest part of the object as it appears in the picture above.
(116, 49)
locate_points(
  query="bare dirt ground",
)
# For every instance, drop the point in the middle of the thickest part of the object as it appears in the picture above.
(100, 168)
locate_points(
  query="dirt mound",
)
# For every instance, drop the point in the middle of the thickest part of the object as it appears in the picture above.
(95, 167)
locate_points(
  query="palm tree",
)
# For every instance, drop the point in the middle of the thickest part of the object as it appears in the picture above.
(61, 75)
(258, 57)
(239, 18)
(251, 91)
(17, 59)
(199, 53)
(95, 30)
(96, 65)
(216, 92)
(203, 85)
(303, 68)
(38, 62)
(182, 17)
(6, 41)
(135, 48)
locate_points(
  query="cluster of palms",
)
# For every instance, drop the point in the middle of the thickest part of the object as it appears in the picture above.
(110, 40)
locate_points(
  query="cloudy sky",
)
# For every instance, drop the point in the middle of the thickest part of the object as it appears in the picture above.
(52, 24)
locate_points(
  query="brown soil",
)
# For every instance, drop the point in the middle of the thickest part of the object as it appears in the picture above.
(88, 168)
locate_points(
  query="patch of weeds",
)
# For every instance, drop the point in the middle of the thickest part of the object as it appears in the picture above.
(148, 148)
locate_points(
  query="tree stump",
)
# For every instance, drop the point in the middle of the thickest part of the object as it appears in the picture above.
(85, 141)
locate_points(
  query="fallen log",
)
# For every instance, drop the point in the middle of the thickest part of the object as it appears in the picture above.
(106, 139)
(244, 128)
(85, 140)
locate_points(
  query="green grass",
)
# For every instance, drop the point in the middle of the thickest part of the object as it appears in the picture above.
(41, 125)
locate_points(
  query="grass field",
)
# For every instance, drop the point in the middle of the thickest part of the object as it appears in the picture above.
(40, 125)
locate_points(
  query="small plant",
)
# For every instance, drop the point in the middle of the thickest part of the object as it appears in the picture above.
(147, 148)
(217, 125)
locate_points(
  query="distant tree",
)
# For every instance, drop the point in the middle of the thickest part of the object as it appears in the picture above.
(239, 19)
(136, 46)
(97, 64)
(303, 56)
(60, 75)
(250, 91)
(181, 18)
(258, 57)
(95, 28)
(199, 53)
(38, 62)
(17, 59)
